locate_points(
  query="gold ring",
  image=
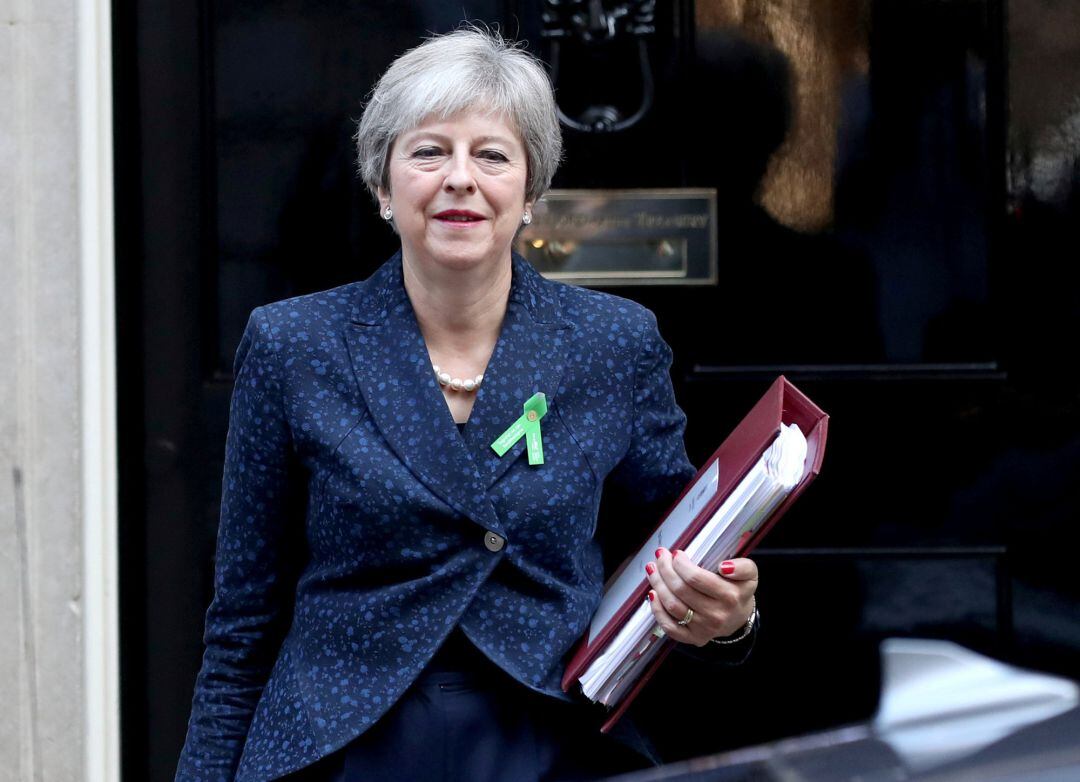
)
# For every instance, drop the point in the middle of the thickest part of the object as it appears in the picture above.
(688, 618)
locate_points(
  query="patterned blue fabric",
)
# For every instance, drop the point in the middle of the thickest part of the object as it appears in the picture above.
(334, 392)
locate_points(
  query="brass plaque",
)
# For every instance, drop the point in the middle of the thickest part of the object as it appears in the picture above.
(624, 237)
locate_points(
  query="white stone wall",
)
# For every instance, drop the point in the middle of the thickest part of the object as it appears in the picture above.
(43, 680)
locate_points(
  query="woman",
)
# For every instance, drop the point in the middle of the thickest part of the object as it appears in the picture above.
(442, 585)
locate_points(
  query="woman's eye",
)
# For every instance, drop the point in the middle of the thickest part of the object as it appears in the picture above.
(493, 155)
(427, 152)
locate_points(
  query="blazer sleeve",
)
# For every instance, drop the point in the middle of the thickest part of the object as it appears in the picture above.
(244, 620)
(655, 469)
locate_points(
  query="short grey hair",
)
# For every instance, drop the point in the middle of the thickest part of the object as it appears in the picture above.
(467, 70)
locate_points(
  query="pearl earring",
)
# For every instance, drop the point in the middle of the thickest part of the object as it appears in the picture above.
(388, 213)
(526, 218)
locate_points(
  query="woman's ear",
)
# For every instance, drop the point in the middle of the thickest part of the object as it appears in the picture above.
(384, 199)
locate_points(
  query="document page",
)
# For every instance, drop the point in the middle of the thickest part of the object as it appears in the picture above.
(676, 523)
(750, 503)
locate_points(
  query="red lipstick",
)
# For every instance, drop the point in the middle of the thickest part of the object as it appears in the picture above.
(459, 216)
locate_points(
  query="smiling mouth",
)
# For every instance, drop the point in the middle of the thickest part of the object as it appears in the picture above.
(456, 216)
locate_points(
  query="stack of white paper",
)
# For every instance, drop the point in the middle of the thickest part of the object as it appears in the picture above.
(765, 486)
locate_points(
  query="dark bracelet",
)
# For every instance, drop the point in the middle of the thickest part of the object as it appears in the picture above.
(743, 633)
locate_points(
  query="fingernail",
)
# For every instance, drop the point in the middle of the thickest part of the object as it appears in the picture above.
(658, 552)
(652, 595)
(649, 568)
(675, 553)
(727, 568)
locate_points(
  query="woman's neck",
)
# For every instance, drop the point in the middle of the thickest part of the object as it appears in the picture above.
(459, 311)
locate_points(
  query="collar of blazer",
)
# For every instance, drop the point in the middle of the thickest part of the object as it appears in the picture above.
(407, 404)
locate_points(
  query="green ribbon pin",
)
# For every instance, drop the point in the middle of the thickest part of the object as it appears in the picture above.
(529, 425)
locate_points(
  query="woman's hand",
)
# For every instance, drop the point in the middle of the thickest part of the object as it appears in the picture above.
(722, 602)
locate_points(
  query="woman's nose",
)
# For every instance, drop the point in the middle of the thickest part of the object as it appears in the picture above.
(460, 177)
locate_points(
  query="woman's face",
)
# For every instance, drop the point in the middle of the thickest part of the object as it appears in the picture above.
(457, 188)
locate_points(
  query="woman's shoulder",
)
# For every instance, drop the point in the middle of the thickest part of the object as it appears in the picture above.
(328, 308)
(301, 336)
(605, 320)
(601, 312)
(331, 308)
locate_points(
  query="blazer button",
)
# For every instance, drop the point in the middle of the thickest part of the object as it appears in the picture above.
(493, 541)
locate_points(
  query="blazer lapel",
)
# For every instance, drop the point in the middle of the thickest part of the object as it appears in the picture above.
(393, 370)
(529, 356)
(394, 374)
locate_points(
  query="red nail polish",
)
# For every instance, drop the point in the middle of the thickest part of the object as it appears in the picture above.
(652, 596)
(675, 553)
(658, 552)
(649, 568)
(727, 568)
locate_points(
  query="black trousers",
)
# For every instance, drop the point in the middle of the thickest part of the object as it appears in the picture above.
(480, 726)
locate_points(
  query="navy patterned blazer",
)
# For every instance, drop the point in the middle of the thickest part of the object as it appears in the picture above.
(334, 393)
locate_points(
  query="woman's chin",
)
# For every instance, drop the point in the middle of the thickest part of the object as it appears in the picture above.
(462, 257)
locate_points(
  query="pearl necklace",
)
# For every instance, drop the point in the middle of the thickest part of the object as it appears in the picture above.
(456, 383)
